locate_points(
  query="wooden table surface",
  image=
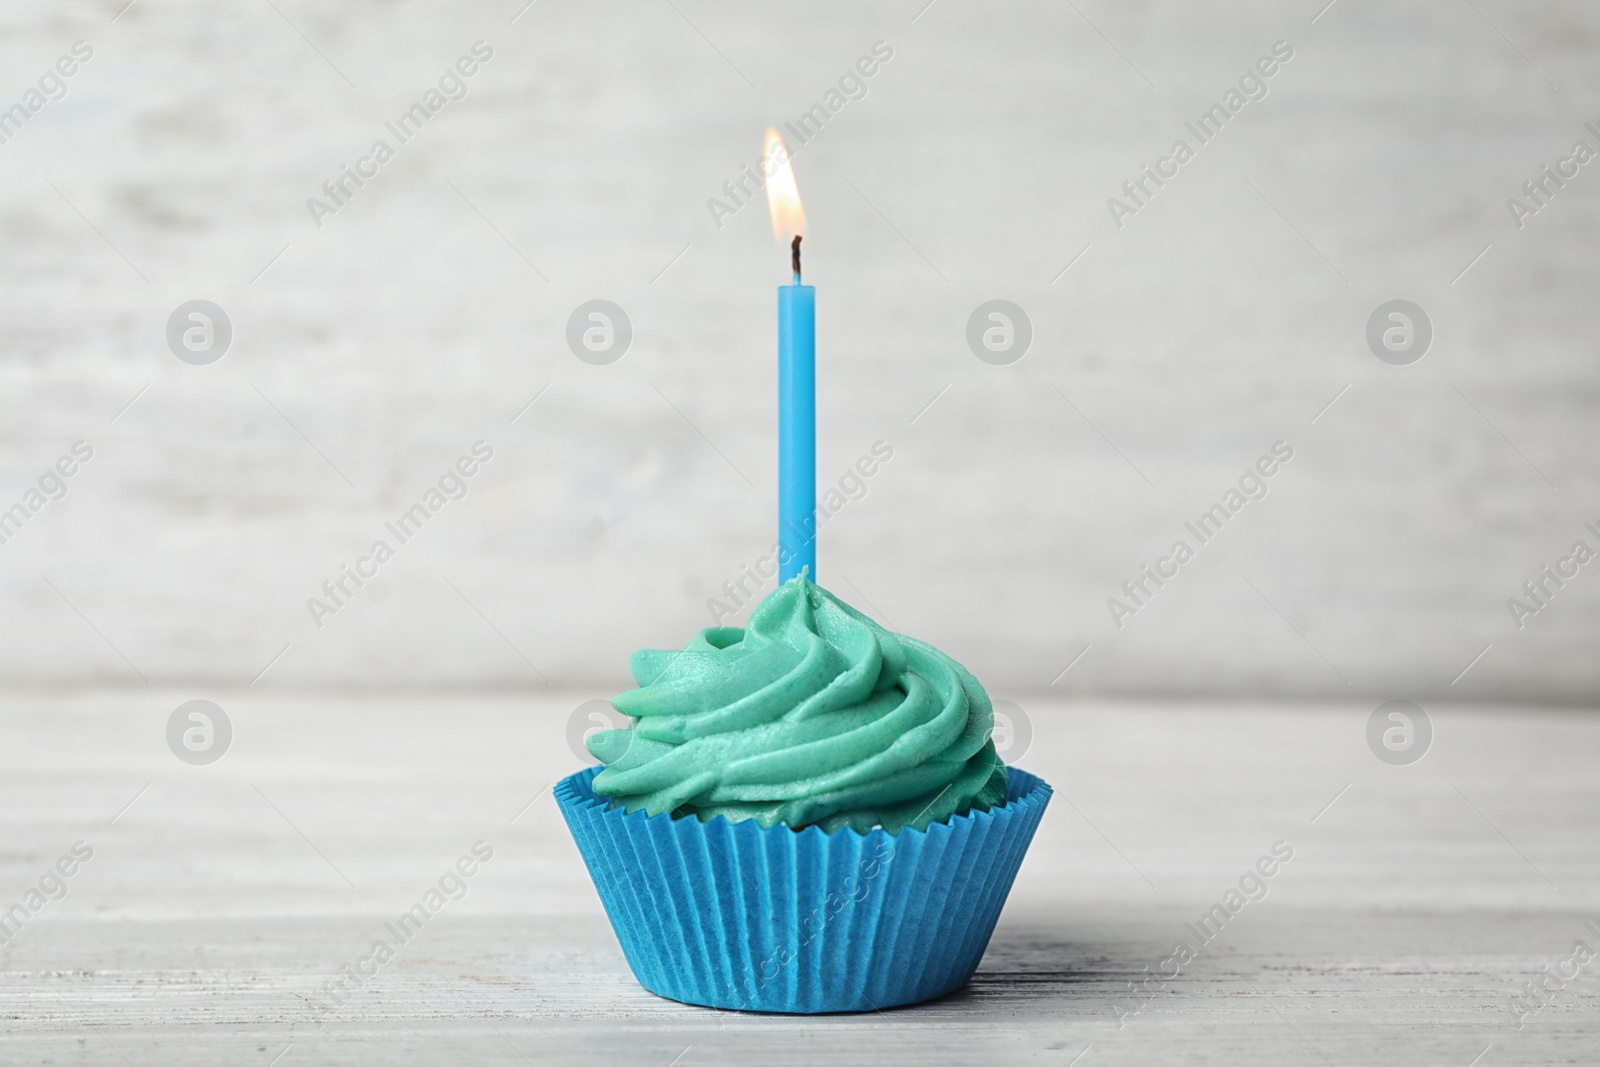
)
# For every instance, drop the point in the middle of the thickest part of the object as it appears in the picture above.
(219, 899)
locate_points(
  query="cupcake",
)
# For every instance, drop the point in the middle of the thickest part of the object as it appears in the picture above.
(805, 815)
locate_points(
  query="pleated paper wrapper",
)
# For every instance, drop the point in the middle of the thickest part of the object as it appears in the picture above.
(729, 915)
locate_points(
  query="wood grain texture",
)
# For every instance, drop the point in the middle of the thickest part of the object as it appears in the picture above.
(224, 897)
(371, 351)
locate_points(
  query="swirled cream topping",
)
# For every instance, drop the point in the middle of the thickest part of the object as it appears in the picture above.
(811, 715)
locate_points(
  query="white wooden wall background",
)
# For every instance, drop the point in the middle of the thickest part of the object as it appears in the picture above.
(977, 167)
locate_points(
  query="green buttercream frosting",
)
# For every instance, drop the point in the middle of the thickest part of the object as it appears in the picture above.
(811, 715)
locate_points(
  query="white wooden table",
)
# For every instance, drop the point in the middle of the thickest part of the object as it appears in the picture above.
(219, 901)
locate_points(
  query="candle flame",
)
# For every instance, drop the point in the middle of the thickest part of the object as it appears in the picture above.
(783, 195)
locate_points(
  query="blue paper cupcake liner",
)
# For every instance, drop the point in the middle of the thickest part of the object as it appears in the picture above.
(729, 915)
